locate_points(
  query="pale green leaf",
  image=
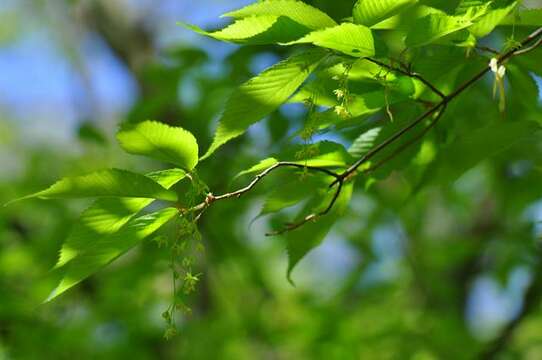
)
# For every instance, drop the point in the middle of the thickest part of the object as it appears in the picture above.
(364, 142)
(106, 183)
(108, 248)
(298, 11)
(263, 94)
(160, 141)
(371, 12)
(107, 216)
(351, 39)
(305, 238)
(257, 30)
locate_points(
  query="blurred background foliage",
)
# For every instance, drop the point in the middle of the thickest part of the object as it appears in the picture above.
(451, 273)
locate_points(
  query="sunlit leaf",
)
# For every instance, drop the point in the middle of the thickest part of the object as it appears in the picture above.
(263, 94)
(257, 30)
(351, 39)
(298, 11)
(370, 12)
(160, 141)
(430, 28)
(108, 248)
(107, 216)
(498, 11)
(106, 183)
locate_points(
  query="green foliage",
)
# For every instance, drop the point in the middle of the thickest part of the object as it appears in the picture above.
(364, 142)
(371, 12)
(94, 255)
(525, 17)
(351, 39)
(109, 228)
(296, 10)
(107, 216)
(160, 141)
(106, 183)
(322, 154)
(262, 94)
(497, 12)
(257, 30)
(302, 240)
(468, 150)
(433, 27)
(425, 180)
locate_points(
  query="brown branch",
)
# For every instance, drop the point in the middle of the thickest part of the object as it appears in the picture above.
(210, 198)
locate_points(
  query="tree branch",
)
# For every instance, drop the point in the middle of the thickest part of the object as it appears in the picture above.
(446, 99)
(409, 74)
(210, 198)
(339, 179)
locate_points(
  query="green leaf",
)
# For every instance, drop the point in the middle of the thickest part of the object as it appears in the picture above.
(470, 149)
(305, 238)
(294, 190)
(298, 11)
(371, 12)
(432, 27)
(321, 154)
(528, 17)
(106, 183)
(473, 9)
(364, 142)
(370, 102)
(107, 216)
(262, 95)
(160, 141)
(494, 17)
(351, 39)
(257, 30)
(108, 248)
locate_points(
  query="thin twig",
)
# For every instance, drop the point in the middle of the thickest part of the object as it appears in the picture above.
(409, 74)
(210, 198)
(487, 49)
(313, 216)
